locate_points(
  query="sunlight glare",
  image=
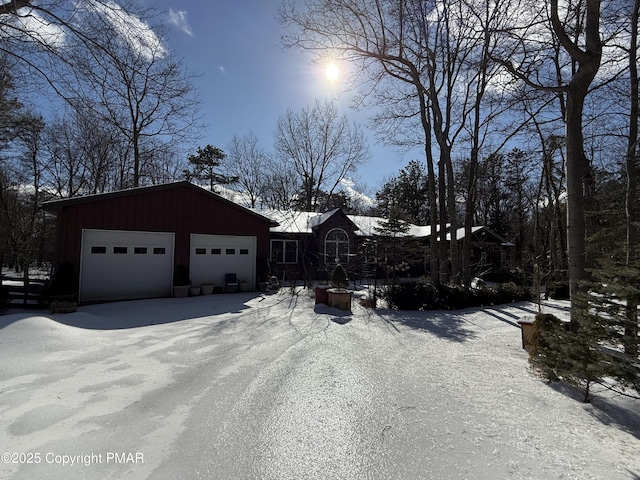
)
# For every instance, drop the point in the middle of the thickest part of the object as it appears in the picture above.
(332, 71)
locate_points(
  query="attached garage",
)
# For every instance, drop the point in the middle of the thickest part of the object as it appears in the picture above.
(118, 265)
(213, 256)
(127, 244)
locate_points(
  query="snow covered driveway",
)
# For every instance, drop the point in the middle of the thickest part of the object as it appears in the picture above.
(248, 387)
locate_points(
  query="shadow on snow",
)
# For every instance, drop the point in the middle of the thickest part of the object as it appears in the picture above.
(141, 313)
(450, 326)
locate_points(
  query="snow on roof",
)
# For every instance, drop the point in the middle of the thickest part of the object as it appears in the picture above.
(294, 222)
(319, 219)
(370, 226)
(303, 222)
(460, 233)
(289, 221)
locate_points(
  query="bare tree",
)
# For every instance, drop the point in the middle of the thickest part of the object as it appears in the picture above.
(21, 177)
(322, 146)
(632, 167)
(84, 154)
(578, 171)
(105, 56)
(37, 34)
(577, 32)
(391, 55)
(136, 86)
(249, 163)
(427, 65)
(280, 185)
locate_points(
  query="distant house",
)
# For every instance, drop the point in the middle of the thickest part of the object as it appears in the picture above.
(306, 245)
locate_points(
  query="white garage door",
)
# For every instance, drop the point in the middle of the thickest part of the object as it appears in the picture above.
(213, 256)
(119, 265)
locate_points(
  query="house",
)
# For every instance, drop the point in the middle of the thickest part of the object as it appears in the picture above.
(126, 244)
(307, 245)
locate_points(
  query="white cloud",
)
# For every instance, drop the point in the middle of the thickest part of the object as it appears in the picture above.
(36, 28)
(136, 33)
(178, 18)
(222, 70)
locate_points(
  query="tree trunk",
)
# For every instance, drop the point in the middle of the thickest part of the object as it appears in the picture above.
(442, 234)
(451, 208)
(576, 225)
(468, 218)
(588, 63)
(433, 214)
(136, 159)
(633, 235)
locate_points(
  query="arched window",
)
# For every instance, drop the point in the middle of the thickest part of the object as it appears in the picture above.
(336, 246)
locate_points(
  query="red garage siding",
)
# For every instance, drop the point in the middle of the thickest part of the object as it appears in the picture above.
(181, 208)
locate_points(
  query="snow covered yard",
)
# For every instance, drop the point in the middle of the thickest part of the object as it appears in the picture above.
(247, 386)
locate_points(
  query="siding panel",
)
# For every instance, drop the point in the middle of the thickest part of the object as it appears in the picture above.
(180, 208)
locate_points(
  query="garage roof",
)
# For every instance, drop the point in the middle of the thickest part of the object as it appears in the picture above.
(57, 205)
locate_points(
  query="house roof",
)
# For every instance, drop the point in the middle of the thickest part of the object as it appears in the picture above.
(323, 217)
(289, 221)
(370, 226)
(294, 222)
(460, 234)
(57, 205)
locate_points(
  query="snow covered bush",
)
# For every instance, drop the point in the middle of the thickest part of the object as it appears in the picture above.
(339, 278)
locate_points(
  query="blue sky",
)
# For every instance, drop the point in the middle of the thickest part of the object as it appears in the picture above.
(248, 80)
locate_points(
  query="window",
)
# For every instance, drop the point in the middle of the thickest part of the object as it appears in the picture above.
(159, 251)
(216, 251)
(98, 249)
(230, 251)
(244, 251)
(140, 250)
(370, 249)
(120, 250)
(284, 251)
(336, 246)
(201, 251)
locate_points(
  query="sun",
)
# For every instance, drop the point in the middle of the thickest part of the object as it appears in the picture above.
(332, 71)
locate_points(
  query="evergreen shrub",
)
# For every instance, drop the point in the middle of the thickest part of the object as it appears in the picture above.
(339, 277)
(560, 354)
(408, 295)
(416, 295)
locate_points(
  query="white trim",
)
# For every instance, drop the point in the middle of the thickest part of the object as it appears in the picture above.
(335, 256)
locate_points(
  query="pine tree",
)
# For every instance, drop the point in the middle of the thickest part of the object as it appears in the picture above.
(399, 249)
(615, 285)
(204, 166)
